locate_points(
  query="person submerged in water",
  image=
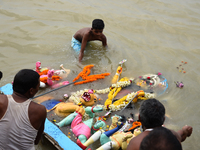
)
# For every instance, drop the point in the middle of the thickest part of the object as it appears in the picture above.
(82, 36)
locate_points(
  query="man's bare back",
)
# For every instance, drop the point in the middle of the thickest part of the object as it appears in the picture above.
(152, 115)
(181, 135)
(80, 34)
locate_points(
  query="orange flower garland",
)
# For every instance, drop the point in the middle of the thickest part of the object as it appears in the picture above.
(84, 75)
(44, 79)
(44, 72)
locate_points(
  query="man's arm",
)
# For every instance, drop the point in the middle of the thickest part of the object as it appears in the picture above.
(43, 115)
(83, 45)
(134, 143)
(104, 40)
(182, 134)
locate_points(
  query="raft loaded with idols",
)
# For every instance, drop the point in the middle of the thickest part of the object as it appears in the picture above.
(88, 115)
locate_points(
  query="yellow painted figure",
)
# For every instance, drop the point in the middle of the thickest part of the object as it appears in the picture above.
(63, 109)
(116, 76)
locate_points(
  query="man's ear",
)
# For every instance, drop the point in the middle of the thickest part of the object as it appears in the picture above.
(31, 91)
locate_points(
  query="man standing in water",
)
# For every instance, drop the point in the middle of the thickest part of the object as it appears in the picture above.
(82, 36)
(21, 120)
(152, 115)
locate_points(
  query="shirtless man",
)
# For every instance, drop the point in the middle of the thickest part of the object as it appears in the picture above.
(160, 138)
(152, 115)
(21, 120)
(82, 36)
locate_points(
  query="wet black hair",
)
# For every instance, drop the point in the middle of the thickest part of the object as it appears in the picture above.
(1, 75)
(24, 80)
(98, 24)
(160, 138)
(152, 113)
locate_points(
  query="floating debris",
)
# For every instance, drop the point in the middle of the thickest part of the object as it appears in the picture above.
(181, 68)
(179, 84)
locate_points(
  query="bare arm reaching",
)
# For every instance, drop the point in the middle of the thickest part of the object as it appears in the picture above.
(104, 40)
(182, 134)
(83, 45)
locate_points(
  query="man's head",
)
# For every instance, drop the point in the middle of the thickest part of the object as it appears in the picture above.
(160, 139)
(26, 81)
(97, 26)
(152, 113)
(1, 75)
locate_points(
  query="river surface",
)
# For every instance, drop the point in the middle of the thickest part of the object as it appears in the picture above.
(154, 36)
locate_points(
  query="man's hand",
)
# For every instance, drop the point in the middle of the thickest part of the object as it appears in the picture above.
(187, 130)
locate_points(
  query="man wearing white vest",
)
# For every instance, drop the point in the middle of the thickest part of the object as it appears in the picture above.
(21, 120)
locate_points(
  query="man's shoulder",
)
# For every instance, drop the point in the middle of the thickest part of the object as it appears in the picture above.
(84, 30)
(37, 108)
(3, 99)
(2, 96)
(103, 36)
(37, 114)
(135, 142)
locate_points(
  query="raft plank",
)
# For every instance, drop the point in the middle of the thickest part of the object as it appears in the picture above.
(58, 138)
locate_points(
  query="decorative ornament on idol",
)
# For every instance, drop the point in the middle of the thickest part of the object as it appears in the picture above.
(91, 91)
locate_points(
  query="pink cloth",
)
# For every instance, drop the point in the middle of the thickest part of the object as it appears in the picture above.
(78, 127)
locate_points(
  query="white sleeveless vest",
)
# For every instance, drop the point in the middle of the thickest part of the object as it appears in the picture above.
(16, 131)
